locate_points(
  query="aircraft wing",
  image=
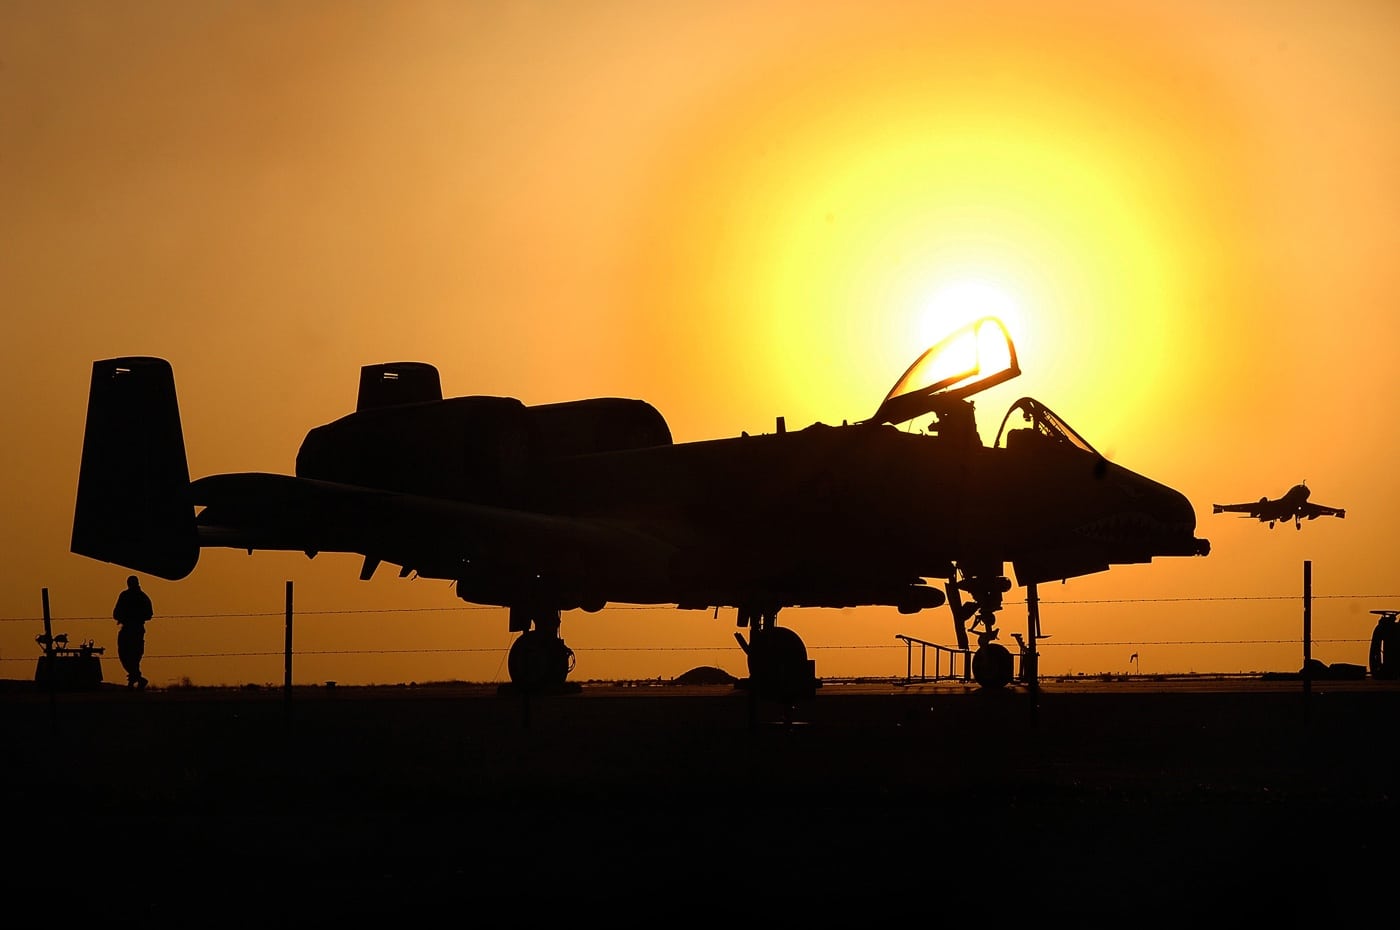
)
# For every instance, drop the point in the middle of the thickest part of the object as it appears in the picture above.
(1313, 511)
(1258, 509)
(499, 555)
(432, 536)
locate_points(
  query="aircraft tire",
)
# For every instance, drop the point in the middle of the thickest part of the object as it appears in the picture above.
(992, 666)
(778, 665)
(538, 661)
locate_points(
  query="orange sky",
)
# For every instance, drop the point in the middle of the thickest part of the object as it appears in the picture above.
(735, 211)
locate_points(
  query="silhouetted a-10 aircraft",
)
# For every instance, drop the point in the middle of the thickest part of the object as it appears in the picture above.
(1293, 505)
(557, 507)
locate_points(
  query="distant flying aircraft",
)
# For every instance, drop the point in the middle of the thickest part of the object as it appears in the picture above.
(575, 505)
(1293, 505)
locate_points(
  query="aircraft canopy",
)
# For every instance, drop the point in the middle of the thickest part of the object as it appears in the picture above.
(1042, 421)
(975, 357)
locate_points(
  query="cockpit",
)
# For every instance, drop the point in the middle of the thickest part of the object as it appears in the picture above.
(972, 359)
(1042, 425)
(975, 357)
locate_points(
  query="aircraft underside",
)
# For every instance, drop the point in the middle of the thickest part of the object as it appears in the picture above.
(778, 665)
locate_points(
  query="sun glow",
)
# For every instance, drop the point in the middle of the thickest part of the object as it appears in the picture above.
(963, 300)
(812, 229)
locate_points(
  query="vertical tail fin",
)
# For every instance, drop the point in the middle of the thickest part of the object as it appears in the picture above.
(133, 506)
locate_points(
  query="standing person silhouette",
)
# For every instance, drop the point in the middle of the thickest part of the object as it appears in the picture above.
(131, 613)
(1385, 647)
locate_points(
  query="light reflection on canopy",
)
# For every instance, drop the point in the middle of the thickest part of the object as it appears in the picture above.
(974, 358)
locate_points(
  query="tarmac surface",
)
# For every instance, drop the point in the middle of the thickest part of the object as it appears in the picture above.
(1154, 801)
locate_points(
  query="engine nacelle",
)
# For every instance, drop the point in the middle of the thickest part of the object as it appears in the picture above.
(463, 448)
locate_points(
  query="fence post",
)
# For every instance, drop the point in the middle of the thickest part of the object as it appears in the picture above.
(50, 663)
(1307, 633)
(287, 650)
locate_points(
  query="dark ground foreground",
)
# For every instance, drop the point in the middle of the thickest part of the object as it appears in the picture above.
(663, 805)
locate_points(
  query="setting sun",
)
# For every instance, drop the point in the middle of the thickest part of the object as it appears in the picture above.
(964, 300)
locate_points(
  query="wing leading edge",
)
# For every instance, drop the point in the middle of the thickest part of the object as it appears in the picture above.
(430, 537)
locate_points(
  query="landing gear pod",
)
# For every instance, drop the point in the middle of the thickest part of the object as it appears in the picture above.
(539, 661)
(779, 669)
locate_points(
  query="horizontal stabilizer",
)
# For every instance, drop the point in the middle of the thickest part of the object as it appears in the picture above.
(133, 505)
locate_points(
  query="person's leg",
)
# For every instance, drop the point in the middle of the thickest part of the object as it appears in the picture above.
(138, 652)
(130, 660)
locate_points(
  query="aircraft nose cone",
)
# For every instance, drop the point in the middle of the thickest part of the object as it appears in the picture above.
(1172, 517)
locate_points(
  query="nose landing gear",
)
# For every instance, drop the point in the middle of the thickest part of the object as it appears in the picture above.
(992, 664)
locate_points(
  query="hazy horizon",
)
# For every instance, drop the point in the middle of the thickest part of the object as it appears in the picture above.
(1184, 212)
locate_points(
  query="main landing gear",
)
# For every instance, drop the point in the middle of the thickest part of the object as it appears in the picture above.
(539, 660)
(779, 669)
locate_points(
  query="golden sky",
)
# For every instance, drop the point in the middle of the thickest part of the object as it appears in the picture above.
(1186, 212)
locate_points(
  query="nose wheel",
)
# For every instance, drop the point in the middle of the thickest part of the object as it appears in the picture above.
(992, 666)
